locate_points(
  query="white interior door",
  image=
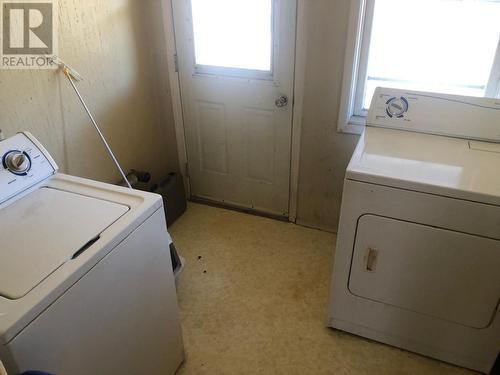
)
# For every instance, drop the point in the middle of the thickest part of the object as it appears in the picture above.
(236, 67)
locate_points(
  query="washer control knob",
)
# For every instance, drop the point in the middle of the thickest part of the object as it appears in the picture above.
(17, 162)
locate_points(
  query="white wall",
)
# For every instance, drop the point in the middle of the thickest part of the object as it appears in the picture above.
(118, 46)
(325, 153)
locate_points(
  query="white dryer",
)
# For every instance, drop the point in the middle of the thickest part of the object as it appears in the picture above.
(417, 262)
(86, 281)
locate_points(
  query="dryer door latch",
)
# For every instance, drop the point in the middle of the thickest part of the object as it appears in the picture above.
(371, 259)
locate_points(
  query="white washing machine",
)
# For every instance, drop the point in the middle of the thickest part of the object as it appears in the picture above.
(86, 281)
(417, 263)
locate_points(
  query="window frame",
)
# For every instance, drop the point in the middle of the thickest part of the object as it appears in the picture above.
(352, 116)
(243, 73)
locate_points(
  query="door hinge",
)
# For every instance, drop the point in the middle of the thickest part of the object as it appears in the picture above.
(186, 170)
(176, 63)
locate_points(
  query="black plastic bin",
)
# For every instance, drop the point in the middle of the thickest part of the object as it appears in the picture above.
(174, 196)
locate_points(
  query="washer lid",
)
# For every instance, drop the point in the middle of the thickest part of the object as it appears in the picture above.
(44, 230)
(453, 167)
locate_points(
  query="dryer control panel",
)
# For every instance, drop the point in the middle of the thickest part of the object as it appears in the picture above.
(24, 162)
(440, 114)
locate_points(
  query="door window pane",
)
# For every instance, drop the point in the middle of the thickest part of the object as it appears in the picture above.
(443, 46)
(233, 33)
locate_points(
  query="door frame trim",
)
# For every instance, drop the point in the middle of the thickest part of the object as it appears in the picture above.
(298, 105)
(299, 89)
(175, 91)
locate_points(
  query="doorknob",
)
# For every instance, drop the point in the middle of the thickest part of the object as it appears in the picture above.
(282, 101)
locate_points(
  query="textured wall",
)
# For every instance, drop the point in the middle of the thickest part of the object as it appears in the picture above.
(118, 47)
(325, 153)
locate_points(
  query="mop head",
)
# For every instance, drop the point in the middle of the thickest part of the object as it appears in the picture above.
(68, 70)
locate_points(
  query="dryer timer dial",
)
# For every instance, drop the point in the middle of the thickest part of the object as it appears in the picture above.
(397, 107)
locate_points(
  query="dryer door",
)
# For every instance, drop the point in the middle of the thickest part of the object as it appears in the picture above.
(441, 273)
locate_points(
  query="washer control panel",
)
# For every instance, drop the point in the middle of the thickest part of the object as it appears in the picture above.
(24, 162)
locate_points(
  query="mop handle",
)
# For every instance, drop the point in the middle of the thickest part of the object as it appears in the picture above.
(103, 139)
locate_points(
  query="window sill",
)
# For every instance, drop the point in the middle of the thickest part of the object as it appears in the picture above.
(355, 125)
